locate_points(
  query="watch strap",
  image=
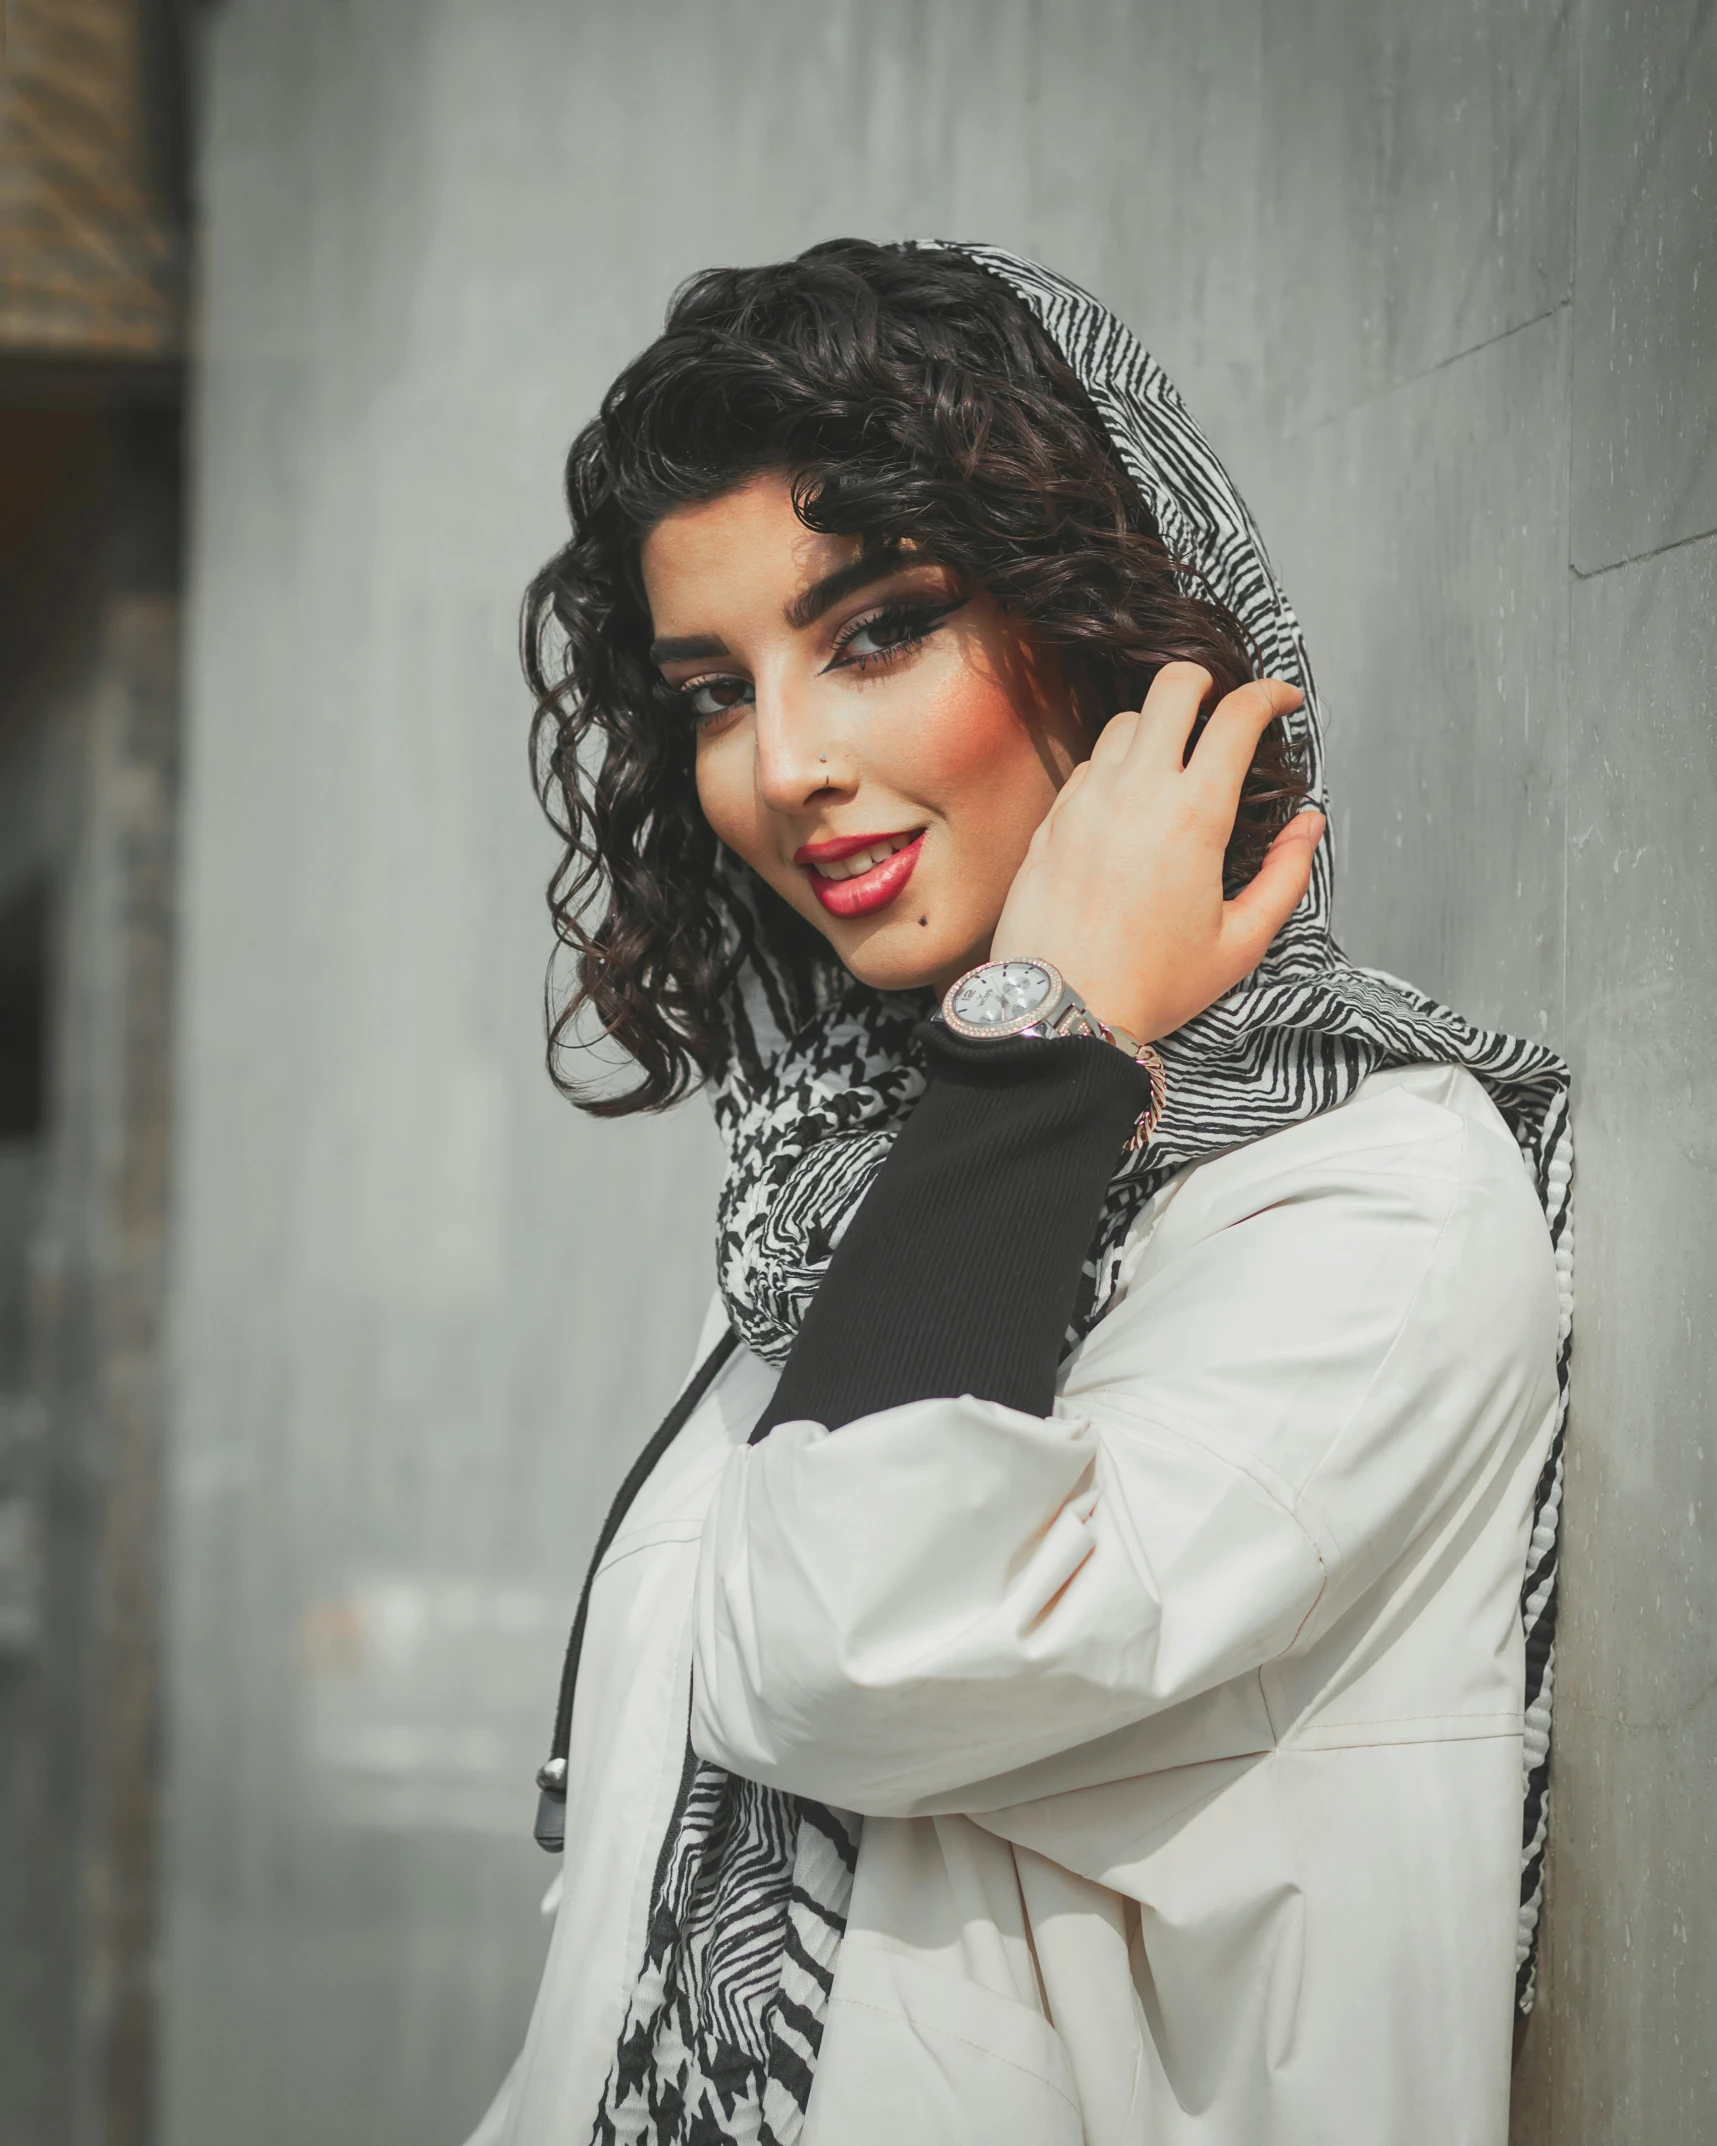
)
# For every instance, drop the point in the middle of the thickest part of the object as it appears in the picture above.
(1068, 1015)
(1077, 1019)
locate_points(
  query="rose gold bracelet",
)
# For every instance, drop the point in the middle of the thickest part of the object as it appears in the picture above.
(1151, 1115)
(1142, 1054)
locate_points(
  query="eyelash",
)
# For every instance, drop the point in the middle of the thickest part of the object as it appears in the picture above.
(920, 613)
(922, 616)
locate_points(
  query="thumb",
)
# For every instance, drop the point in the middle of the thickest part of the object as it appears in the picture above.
(1255, 915)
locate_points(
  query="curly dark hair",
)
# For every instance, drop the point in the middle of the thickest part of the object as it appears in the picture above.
(906, 392)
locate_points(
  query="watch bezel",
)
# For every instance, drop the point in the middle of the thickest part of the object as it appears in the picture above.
(1017, 1024)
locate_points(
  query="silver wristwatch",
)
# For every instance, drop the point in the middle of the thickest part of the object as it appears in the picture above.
(999, 1000)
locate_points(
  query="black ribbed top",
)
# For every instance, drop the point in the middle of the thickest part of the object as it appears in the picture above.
(959, 1271)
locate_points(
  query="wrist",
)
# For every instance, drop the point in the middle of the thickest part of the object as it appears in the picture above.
(1023, 998)
(1109, 989)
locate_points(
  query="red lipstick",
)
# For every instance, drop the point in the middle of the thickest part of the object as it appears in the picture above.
(867, 891)
(840, 849)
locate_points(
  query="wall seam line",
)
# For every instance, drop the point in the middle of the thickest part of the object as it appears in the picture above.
(1428, 372)
(1639, 558)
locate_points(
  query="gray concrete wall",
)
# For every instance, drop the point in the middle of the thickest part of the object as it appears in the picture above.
(1433, 279)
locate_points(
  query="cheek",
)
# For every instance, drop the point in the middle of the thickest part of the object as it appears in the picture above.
(975, 755)
(726, 778)
(727, 796)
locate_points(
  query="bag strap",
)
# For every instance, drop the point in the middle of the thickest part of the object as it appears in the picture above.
(551, 1775)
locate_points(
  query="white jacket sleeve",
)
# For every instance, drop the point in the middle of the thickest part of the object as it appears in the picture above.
(1325, 1338)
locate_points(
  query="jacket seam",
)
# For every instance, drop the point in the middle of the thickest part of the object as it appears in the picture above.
(1296, 1746)
(1385, 1721)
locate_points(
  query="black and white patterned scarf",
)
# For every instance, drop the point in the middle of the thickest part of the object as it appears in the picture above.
(721, 2036)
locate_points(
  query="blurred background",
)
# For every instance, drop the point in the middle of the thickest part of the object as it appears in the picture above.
(325, 1329)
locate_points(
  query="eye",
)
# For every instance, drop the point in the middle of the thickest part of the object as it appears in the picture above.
(890, 630)
(707, 700)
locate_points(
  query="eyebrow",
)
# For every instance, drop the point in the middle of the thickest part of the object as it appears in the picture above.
(807, 607)
(821, 596)
(689, 644)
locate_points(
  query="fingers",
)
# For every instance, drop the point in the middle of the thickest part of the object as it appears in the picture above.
(1164, 724)
(1230, 739)
(1166, 721)
(1114, 739)
(1255, 915)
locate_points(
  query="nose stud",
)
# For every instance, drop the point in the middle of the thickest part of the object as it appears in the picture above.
(823, 759)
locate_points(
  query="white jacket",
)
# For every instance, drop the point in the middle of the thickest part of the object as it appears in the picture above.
(1186, 1722)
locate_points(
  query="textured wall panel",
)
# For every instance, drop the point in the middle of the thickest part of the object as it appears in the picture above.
(1633, 1985)
(1645, 338)
(1424, 532)
(1419, 198)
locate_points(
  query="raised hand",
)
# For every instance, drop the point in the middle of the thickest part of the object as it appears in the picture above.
(1122, 886)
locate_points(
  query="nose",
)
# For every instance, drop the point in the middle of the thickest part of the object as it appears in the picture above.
(798, 758)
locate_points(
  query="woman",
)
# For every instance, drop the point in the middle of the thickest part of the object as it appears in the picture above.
(1090, 1553)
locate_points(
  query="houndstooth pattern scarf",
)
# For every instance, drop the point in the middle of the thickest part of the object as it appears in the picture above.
(722, 2033)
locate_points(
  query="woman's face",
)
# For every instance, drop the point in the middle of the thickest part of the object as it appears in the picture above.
(873, 738)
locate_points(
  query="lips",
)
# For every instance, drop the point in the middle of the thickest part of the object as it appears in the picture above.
(856, 874)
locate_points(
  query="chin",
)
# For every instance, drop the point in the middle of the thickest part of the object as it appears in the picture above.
(895, 976)
(906, 967)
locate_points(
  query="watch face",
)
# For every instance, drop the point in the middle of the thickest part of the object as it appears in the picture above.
(1002, 995)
